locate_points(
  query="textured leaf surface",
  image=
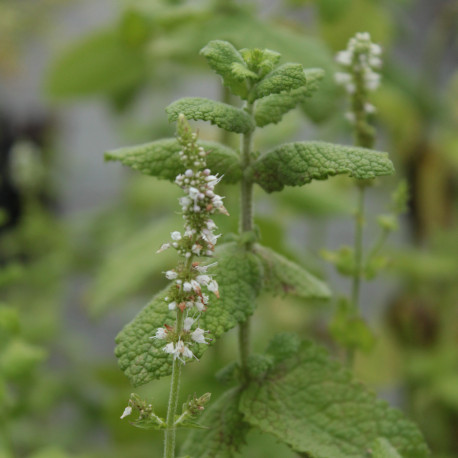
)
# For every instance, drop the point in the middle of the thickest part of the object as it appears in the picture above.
(284, 78)
(223, 58)
(270, 109)
(161, 159)
(226, 429)
(223, 115)
(296, 164)
(239, 275)
(311, 403)
(282, 276)
(383, 449)
(100, 64)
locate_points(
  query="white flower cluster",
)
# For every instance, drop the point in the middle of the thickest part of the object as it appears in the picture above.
(361, 59)
(198, 239)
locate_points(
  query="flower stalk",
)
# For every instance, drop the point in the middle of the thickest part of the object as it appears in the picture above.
(361, 59)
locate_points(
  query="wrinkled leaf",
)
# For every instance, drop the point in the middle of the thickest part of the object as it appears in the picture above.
(284, 78)
(223, 115)
(282, 276)
(160, 159)
(383, 449)
(271, 109)
(225, 60)
(296, 164)
(226, 429)
(239, 275)
(311, 403)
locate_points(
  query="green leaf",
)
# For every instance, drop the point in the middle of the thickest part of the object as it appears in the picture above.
(383, 449)
(282, 276)
(282, 79)
(296, 164)
(160, 159)
(131, 265)
(239, 275)
(349, 329)
(226, 429)
(19, 358)
(100, 64)
(223, 115)
(311, 403)
(270, 109)
(225, 60)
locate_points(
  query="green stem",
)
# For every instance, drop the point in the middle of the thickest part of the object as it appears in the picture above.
(170, 432)
(358, 247)
(358, 250)
(246, 225)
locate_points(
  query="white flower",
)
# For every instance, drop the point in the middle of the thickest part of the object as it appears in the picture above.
(163, 247)
(195, 286)
(185, 202)
(372, 80)
(369, 108)
(169, 348)
(188, 322)
(199, 306)
(172, 305)
(342, 77)
(127, 412)
(171, 275)
(193, 193)
(376, 50)
(175, 235)
(198, 336)
(344, 57)
(161, 333)
(187, 286)
(203, 279)
(350, 116)
(182, 349)
(213, 287)
(196, 249)
(203, 269)
(211, 225)
(189, 173)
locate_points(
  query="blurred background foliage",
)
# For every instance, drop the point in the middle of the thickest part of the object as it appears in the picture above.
(69, 279)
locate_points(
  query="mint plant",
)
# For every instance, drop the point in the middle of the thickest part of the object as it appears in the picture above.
(295, 390)
(361, 60)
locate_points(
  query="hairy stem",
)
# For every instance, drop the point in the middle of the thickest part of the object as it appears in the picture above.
(170, 432)
(246, 225)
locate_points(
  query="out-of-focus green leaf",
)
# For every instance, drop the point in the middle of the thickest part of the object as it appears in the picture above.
(349, 329)
(19, 357)
(100, 64)
(131, 265)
